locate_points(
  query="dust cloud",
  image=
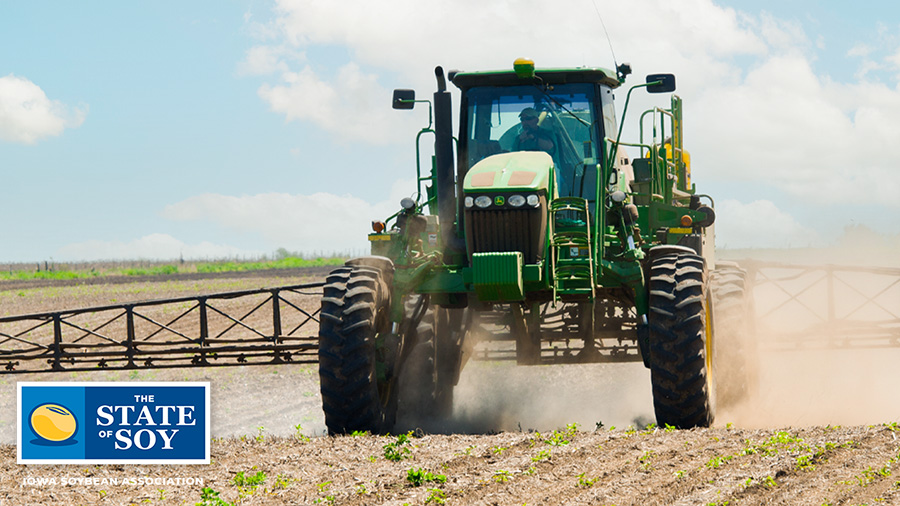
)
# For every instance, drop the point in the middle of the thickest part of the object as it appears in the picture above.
(829, 344)
(495, 396)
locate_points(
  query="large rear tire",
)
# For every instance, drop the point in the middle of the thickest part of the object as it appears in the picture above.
(357, 390)
(680, 341)
(737, 358)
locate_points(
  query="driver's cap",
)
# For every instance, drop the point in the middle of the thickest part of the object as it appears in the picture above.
(528, 112)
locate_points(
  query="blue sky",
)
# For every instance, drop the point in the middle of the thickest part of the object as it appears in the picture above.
(233, 128)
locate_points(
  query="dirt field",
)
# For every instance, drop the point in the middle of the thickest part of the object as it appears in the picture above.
(820, 432)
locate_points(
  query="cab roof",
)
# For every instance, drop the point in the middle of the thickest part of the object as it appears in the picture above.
(464, 80)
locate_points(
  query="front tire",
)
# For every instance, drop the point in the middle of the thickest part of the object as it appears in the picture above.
(357, 390)
(680, 341)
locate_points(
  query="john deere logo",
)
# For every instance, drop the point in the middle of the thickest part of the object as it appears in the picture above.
(53, 422)
(499, 200)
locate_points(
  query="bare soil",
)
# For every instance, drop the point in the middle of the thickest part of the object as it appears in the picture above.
(819, 432)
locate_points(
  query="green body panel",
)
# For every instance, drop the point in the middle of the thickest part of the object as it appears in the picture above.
(533, 277)
(659, 215)
(447, 281)
(523, 170)
(497, 277)
(381, 244)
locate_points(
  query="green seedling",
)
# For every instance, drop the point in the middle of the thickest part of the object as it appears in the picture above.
(646, 465)
(541, 456)
(398, 449)
(467, 451)
(718, 461)
(804, 462)
(253, 481)
(298, 433)
(501, 476)
(557, 438)
(586, 482)
(436, 496)
(282, 482)
(419, 477)
(210, 497)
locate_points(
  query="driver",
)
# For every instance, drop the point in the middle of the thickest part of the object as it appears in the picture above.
(532, 137)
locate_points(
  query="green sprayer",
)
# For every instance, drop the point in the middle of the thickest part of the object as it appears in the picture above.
(536, 230)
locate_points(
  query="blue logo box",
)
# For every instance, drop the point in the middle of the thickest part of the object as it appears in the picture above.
(113, 423)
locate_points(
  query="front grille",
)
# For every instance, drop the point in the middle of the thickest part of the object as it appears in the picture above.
(508, 229)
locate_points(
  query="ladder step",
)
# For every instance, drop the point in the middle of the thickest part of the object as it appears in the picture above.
(567, 240)
(574, 291)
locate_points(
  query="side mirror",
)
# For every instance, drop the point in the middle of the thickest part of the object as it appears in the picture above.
(665, 83)
(404, 99)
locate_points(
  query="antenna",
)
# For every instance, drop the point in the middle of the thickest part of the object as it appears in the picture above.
(625, 69)
(597, 10)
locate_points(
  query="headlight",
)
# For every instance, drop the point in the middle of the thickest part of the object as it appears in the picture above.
(483, 201)
(533, 200)
(469, 201)
(516, 200)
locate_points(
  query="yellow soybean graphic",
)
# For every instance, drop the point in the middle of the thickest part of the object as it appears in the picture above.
(53, 422)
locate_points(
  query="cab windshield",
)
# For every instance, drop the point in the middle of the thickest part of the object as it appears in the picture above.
(559, 121)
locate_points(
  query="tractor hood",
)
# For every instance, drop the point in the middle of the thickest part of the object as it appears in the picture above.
(518, 170)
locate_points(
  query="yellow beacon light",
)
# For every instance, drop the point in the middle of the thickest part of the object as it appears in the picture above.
(524, 68)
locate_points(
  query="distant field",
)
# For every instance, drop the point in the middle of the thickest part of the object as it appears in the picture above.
(88, 270)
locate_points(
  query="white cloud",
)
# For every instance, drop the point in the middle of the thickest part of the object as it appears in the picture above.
(352, 105)
(860, 49)
(304, 223)
(409, 38)
(759, 224)
(781, 35)
(150, 247)
(409, 34)
(27, 115)
(817, 139)
(265, 60)
(894, 59)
